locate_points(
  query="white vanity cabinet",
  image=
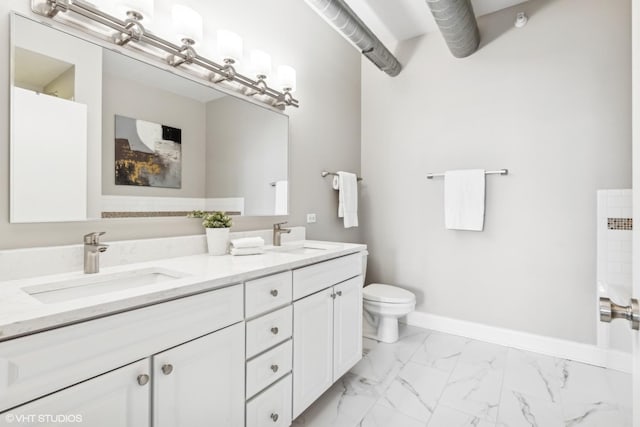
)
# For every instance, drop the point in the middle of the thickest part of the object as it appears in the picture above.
(254, 354)
(82, 366)
(347, 326)
(114, 399)
(327, 338)
(195, 384)
(200, 383)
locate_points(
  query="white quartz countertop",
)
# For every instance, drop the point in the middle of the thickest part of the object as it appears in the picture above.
(21, 313)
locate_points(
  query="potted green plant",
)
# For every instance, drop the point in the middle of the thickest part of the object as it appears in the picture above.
(217, 225)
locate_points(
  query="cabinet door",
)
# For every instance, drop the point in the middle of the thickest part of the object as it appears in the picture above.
(347, 326)
(201, 383)
(312, 348)
(115, 399)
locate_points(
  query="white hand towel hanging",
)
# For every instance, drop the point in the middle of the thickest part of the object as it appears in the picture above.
(348, 198)
(464, 192)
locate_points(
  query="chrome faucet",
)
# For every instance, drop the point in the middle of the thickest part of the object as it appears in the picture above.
(92, 249)
(277, 233)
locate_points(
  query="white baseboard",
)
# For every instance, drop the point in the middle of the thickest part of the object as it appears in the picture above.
(591, 354)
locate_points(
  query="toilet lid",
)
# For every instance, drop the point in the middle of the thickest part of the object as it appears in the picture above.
(387, 293)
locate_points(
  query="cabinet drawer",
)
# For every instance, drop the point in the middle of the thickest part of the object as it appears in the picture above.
(308, 280)
(269, 330)
(267, 293)
(271, 407)
(268, 367)
(39, 364)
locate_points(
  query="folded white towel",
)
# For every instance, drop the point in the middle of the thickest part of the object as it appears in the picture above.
(282, 198)
(246, 251)
(348, 198)
(464, 199)
(247, 242)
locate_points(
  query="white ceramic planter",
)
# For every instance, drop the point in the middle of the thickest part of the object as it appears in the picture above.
(217, 239)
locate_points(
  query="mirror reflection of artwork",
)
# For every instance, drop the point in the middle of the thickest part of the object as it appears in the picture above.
(147, 154)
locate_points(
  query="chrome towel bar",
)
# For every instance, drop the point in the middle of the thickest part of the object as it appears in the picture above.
(498, 172)
(325, 173)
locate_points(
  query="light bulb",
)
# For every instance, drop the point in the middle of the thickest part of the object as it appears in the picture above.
(105, 6)
(287, 78)
(261, 64)
(142, 7)
(229, 46)
(187, 23)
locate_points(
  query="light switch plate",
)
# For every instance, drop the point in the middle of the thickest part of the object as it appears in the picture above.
(311, 218)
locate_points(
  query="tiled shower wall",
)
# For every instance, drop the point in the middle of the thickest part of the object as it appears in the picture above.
(614, 261)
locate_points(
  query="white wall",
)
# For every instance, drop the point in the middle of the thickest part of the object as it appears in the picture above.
(550, 102)
(324, 132)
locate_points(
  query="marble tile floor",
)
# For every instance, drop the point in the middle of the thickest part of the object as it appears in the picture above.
(438, 380)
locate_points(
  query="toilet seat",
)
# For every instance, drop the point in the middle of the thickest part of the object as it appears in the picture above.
(388, 294)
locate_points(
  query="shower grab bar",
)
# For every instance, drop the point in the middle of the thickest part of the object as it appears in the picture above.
(498, 172)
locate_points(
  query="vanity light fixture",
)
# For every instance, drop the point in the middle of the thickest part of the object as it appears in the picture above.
(187, 24)
(261, 63)
(230, 49)
(287, 83)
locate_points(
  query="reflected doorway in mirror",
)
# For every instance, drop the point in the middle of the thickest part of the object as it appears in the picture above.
(147, 154)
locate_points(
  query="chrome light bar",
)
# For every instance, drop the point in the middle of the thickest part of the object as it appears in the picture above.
(132, 30)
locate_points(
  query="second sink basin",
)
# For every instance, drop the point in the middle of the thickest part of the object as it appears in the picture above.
(91, 285)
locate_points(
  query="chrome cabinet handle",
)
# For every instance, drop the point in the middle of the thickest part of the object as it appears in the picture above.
(274, 368)
(274, 292)
(333, 295)
(167, 368)
(275, 330)
(143, 379)
(610, 310)
(274, 417)
(339, 293)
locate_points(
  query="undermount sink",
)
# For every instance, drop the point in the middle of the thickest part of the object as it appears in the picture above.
(301, 248)
(91, 285)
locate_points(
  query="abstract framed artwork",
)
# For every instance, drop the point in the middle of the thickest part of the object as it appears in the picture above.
(147, 154)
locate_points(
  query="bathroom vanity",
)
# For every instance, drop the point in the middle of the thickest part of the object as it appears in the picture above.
(225, 341)
(177, 339)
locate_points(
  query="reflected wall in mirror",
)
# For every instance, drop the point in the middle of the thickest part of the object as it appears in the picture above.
(233, 152)
(55, 117)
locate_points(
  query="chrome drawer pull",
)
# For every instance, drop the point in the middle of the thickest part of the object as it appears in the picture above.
(274, 368)
(275, 330)
(274, 292)
(167, 368)
(274, 417)
(339, 293)
(143, 379)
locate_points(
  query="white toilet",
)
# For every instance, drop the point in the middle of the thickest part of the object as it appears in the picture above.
(383, 305)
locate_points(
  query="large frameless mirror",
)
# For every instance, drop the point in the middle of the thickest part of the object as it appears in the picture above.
(96, 133)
